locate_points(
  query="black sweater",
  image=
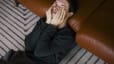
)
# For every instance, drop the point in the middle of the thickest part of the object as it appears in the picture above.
(48, 43)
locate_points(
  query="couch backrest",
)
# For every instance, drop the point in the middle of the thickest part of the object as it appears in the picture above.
(86, 8)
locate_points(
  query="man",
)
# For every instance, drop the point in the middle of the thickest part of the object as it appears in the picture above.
(51, 39)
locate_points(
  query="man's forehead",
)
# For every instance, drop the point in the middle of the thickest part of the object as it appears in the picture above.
(63, 1)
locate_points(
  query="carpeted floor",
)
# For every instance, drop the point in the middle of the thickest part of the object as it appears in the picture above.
(17, 22)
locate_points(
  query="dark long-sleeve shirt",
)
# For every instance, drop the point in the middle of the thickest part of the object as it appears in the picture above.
(48, 43)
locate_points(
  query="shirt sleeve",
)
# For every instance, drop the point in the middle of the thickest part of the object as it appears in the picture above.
(41, 31)
(44, 42)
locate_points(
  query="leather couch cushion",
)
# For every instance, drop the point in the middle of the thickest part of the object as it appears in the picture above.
(96, 33)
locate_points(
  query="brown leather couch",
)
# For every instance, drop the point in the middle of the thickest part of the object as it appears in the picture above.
(93, 22)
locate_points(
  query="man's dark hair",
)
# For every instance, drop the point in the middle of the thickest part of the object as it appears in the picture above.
(73, 5)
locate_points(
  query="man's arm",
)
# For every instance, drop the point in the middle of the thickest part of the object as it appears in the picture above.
(34, 37)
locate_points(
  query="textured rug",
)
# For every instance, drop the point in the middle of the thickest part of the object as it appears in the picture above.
(17, 22)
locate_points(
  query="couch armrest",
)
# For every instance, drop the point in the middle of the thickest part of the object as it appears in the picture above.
(37, 6)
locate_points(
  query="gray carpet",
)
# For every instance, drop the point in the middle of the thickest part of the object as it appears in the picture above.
(17, 22)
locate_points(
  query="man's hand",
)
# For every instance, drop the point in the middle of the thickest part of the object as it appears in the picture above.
(48, 16)
(59, 17)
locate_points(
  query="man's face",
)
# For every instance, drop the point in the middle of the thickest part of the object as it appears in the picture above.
(60, 4)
